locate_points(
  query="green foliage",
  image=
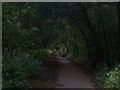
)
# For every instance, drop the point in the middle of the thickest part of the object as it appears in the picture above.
(17, 68)
(15, 83)
(108, 78)
(88, 32)
(40, 53)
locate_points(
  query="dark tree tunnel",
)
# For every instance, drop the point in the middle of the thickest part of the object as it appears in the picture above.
(89, 21)
(85, 33)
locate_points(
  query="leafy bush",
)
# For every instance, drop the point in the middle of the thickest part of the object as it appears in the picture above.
(15, 83)
(109, 78)
(40, 54)
(17, 68)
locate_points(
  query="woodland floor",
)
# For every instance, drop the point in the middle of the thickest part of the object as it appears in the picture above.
(65, 75)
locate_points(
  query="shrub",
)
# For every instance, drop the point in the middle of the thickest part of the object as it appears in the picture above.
(15, 83)
(17, 68)
(109, 78)
(40, 54)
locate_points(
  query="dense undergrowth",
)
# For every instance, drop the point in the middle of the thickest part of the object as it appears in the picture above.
(108, 77)
(17, 68)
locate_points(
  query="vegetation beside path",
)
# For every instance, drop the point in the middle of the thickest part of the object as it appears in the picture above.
(34, 34)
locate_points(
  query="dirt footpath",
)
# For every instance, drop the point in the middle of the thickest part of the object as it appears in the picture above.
(70, 76)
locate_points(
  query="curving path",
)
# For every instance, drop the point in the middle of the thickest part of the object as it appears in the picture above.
(70, 76)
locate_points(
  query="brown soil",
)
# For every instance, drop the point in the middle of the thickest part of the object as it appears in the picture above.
(64, 75)
(71, 76)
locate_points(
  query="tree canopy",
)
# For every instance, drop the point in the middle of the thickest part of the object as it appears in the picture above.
(85, 31)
